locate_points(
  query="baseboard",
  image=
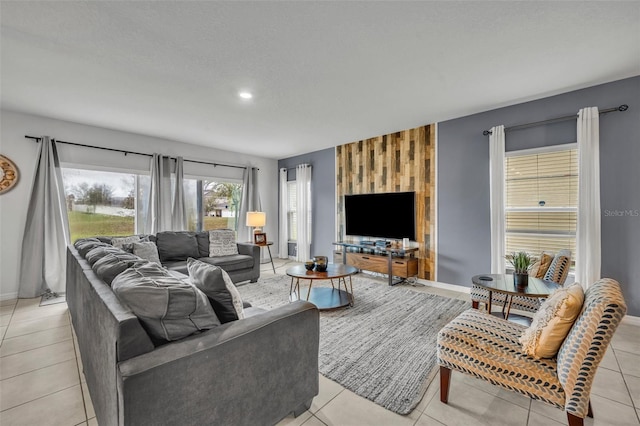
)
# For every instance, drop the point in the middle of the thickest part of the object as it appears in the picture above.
(452, 287)
(9, 296)
(631, 320)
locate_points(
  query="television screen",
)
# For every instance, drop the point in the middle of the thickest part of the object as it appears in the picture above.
(388, 215)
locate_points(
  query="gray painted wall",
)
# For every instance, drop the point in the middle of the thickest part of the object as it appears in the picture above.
(323, 197)
(463, 180)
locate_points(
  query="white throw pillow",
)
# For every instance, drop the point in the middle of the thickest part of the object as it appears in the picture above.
(222, 242)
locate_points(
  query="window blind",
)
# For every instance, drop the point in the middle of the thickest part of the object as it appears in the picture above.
(541, 201)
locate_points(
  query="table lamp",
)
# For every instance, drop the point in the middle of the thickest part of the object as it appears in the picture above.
(257, 220)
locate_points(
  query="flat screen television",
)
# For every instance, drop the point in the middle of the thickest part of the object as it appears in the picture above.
(388, 215)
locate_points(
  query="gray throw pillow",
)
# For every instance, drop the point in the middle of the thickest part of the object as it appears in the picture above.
(112, 264)
(99, 252)
(168, 308)
(85, 245)
(147, 250)
(216, 284)
(222, 242)
(126, 243)
(176, 245)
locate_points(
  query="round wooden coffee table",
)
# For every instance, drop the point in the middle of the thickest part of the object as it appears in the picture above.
(503, 283)
(324, 298)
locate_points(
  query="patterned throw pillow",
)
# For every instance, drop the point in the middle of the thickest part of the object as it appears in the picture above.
(552, 322)
(222, 242)
(559, 268)
(126, 243)
(216, 284)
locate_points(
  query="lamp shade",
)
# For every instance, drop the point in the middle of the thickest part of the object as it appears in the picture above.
(256, 219)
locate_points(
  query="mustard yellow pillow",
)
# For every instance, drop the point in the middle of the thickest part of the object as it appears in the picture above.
(544, 263)
(552, 322)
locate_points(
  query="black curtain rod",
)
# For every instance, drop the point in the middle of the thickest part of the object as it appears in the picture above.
(621, 108)
(38, 139)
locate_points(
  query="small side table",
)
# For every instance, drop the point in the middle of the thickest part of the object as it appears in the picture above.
(267, 245)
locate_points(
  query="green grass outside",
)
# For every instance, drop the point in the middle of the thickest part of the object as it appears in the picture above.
(84, 225)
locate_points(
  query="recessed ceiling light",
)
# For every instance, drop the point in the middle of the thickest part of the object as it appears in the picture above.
(245, 95)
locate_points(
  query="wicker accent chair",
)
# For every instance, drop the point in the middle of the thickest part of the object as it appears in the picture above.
(487, 347)
(557, 272)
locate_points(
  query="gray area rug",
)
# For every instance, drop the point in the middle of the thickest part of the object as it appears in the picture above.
(383, 348)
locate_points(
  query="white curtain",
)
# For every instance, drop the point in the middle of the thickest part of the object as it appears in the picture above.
(179, 213)
(303, 207)
(497, 198)
(46, 234)
(159, 210)
(250, 203)
(283, 235)
(588, 250)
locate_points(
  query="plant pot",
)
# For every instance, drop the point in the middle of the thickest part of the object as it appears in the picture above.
(520, 280)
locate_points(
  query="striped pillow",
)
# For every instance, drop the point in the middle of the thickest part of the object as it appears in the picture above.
(559, 268)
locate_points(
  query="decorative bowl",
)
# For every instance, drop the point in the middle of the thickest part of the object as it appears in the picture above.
(321, 263)
(309, 264)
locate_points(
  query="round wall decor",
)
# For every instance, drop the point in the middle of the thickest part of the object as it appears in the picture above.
(8, 174)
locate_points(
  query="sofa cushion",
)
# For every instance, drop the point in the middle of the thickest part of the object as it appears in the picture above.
(146, 250)
(112, 264)
(216, 284)
(222, 242)
(230, 263)
(176, 245)
(169, 309)
(203, 243)
(99, 252)
(85, 245)
(552, 322)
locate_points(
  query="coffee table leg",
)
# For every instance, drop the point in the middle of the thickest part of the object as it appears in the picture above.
(291, 288)
(309, 292)
(353, 300)
(506, 316)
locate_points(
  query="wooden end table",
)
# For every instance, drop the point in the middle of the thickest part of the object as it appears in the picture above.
(268, 245)
(324, 298)
(503, 283)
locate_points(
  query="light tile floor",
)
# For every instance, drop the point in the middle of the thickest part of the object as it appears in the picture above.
(41, 381)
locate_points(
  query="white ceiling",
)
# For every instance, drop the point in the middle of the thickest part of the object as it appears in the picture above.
(322, 73)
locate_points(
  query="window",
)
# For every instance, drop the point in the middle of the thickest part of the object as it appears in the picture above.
(102, 203)
(541, 199)
(292, 223)
(221, 204)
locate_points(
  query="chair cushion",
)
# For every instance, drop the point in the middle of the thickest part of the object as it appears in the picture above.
(552, 322)
(216, 284)
(487, 347)
(168, 307)
(176, 245)
(222, 242)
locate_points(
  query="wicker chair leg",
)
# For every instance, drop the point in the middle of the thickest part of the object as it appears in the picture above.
(575, 420)
(590, 412)
(475, 304)
(445, 379)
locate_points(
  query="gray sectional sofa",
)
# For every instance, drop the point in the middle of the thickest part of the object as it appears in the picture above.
(251, 371)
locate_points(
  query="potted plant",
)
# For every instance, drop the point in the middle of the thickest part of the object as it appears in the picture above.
(521, 262)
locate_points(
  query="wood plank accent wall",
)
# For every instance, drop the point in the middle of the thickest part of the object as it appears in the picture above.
(399, 162)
